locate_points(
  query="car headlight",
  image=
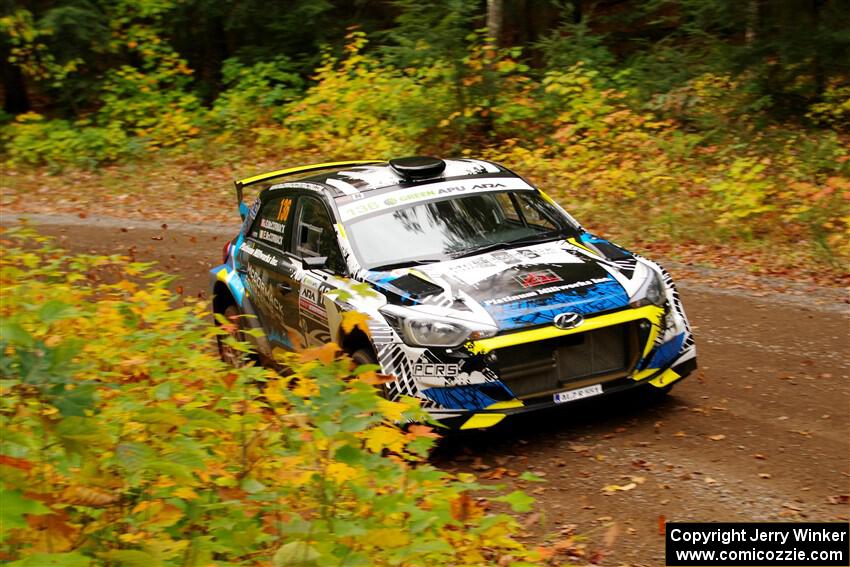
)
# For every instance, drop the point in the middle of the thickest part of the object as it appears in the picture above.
(434, 333)
(424, 331)
(652, 292)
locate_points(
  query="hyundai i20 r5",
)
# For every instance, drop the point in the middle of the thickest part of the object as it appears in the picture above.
(484, 297)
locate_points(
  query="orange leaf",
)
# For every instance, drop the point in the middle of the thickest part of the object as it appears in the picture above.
(324, 353)
(465, 508)
(86, 496)
(15, 462)
(420, 430)
(376, 379)
(354, 320)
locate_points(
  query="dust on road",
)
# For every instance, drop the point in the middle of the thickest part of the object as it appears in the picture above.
(760, 432)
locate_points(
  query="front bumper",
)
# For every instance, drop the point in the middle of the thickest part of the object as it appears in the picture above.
(619, 351)
(496, 413)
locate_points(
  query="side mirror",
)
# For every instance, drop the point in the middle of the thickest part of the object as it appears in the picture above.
(314, 262)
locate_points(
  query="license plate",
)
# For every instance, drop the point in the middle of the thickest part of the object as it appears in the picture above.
(578, 394)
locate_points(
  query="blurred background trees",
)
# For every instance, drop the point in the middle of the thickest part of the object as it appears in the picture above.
(59, 54)
(730, 117)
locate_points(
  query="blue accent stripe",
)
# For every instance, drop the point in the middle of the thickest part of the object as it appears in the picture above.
(469, 397)
(666, 353)
(601, 297)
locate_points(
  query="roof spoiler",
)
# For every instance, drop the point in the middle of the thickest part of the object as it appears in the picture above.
(242, 183)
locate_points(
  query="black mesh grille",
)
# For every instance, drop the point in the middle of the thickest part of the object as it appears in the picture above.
(571, 361)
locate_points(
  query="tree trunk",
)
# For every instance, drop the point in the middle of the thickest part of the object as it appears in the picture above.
(753, 21)
(494, 20)
(15, 97)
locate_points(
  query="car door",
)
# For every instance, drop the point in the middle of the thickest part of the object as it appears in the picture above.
(314, 237)
(270, 270)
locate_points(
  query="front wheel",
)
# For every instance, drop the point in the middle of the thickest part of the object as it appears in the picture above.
(366, 356)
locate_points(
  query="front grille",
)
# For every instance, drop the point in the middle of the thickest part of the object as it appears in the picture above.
(571, 361)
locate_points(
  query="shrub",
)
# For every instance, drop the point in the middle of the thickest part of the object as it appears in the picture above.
(255, 95)
(33, 140)
(127, 442)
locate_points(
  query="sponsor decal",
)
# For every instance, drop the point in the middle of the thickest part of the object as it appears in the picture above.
(544, 291)
(310, 299)
(300, 185)
(433, 191)
(506, 257)
(474, 264)
(534, 279)
(422, 370)
(269, 259)
(530, 254)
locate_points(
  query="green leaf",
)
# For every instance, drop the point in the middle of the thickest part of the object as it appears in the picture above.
(363, 368)
(131, 558)
(14, 333)
(13, 508)
(530, 477)
(55, 310)
(252, 486)
(72, 559)
(518, 500)
(296, 553)
(80, 434)
(349, 455)
(74, 402)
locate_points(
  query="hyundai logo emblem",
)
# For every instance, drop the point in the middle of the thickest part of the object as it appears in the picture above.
(568, 320)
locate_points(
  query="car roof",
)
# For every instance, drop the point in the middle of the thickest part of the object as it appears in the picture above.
(350, 182)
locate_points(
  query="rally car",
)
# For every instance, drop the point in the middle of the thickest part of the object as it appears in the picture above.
(483, 297)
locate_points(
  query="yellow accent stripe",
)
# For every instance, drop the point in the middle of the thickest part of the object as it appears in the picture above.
(645, 373)
(575, 242)
(341, 230)
(650, 312)
(667, 378)
(506, 405)
(301, 169)
(483, 420)
(547, 197)
(221, 275)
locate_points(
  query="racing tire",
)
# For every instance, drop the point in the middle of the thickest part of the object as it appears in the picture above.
(366, 356)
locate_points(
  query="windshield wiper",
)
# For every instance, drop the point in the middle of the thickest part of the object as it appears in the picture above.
(405, 263)
(530, 239)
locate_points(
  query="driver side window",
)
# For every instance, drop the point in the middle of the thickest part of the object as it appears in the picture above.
(314, 234)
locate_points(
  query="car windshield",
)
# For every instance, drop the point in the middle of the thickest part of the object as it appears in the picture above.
(435, 231)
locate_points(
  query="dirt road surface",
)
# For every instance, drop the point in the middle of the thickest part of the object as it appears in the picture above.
(760, 432)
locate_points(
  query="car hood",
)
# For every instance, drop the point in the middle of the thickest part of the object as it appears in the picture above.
(515, 288)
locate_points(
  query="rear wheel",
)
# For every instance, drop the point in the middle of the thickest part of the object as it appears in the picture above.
(232, 356)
